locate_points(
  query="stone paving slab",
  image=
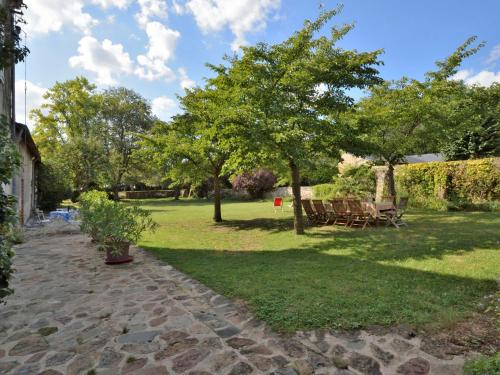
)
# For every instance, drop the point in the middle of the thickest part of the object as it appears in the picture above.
(72, 314)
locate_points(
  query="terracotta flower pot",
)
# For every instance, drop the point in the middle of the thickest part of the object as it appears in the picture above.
(117, 253)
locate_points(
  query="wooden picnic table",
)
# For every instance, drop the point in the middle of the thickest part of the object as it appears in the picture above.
(377, 209)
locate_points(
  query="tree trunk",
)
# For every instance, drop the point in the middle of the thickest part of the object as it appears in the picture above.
(391, 186)
(298, 221)
(217, 199)
(116, 190)
(177, 193)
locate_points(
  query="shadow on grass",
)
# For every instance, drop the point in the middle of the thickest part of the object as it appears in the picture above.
(272, 225)
(166, 202)
(428, 235)
(307, 288)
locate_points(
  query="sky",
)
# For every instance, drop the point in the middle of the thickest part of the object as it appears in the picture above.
(160, 47)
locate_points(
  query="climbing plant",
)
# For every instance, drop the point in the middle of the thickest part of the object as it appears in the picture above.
(11, 52)
(11, 49)
(470, 181)
(9, 160)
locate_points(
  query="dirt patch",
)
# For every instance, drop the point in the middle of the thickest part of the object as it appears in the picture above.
(479, 333)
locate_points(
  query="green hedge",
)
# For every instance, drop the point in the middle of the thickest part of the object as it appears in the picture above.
(355, 181)
(324, 191)
(450, 185)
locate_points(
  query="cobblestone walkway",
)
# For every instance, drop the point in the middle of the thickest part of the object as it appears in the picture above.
(71, 314)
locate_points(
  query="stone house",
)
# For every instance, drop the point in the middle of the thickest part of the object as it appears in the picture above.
(24, 184)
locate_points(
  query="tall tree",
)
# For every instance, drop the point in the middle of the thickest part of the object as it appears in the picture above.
(69, 131)
(201, 142)
(481, 136)
(127, 116)
(297, 89)
(408, 116)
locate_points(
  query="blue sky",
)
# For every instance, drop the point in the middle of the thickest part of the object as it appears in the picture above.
(159, 47)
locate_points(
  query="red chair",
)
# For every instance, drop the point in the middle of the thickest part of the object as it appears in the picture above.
(278, 202)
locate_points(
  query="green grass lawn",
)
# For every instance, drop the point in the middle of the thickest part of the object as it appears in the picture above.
(435, 271)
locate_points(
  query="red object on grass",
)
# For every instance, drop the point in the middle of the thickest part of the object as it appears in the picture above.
(278, 202)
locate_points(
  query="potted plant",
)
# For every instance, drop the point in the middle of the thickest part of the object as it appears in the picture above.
(91, 203)
(115, 226)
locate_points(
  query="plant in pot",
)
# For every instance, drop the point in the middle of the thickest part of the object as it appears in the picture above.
(91, 204)
(121, 226)
(115, 226)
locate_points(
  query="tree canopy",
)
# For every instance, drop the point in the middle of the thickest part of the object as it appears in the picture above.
(201, 142)
(91, 135)
(296, 90)
(408, 116)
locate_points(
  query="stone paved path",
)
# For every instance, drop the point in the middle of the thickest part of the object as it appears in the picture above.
(71, 314)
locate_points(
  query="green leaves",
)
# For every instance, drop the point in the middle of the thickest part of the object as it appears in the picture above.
(449, 66)
(91, 135)
(11, 49)
(9, 161)
(297, 88)
(109, 221)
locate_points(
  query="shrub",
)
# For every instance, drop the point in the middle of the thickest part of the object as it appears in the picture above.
(256, 183)
(457, 184)
(111, 222)
(483, 366)
(355, 181)
(90, 203)
(9, 161)
(324, 191)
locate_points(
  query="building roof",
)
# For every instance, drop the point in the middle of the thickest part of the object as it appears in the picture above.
(424, 158)
(23, 135)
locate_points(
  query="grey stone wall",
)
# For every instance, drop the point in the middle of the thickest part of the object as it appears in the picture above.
(286, 191)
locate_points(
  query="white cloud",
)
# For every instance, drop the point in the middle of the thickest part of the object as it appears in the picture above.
(179, 9)
(34, 99)
(494, 55)
(161, 48)
(52, 15)
(184, 81)
(483, 78)
(150, 9)
(162, 41)
(153, 69)
(240, 16)
(164, 107)
(120, 4)
(105, 59)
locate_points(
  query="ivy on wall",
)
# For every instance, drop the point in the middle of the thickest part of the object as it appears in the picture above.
(429, 184)
(11, 48)
(9, 161)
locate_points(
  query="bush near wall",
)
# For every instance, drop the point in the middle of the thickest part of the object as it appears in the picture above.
(355, 181)
(324, 191)
(451, 185)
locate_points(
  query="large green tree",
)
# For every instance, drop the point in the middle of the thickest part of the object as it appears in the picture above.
(202, 142)
(408, 116)
(69, 131)
(481, 135)
(297, 89)
(91, 136)
(127, 116)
